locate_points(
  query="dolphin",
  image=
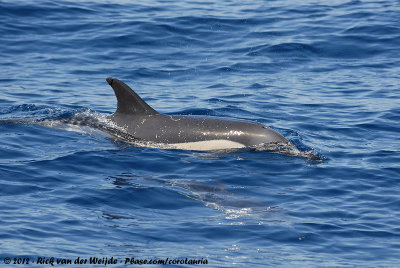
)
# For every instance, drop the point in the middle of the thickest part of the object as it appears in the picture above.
(187, 132)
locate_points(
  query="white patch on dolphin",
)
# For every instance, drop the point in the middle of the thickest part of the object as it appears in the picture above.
(209, 145)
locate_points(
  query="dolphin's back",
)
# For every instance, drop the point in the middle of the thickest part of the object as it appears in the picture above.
(142, 122)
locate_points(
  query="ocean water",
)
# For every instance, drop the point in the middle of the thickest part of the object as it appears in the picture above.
(323, 74)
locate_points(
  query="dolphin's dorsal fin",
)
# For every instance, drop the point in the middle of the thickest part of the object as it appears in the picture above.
(128, 101)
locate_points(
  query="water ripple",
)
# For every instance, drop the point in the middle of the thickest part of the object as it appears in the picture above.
(323, 74)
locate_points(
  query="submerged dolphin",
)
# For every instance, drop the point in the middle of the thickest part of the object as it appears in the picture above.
(202, 133)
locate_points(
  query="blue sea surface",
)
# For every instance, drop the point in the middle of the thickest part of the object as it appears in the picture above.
(325, 74)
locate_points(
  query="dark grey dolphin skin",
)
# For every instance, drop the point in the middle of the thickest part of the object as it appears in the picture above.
(144, 123)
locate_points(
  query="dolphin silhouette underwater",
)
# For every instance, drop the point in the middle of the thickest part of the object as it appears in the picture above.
(187, 132)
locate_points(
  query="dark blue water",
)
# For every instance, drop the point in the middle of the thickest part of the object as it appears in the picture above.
(323, 74)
